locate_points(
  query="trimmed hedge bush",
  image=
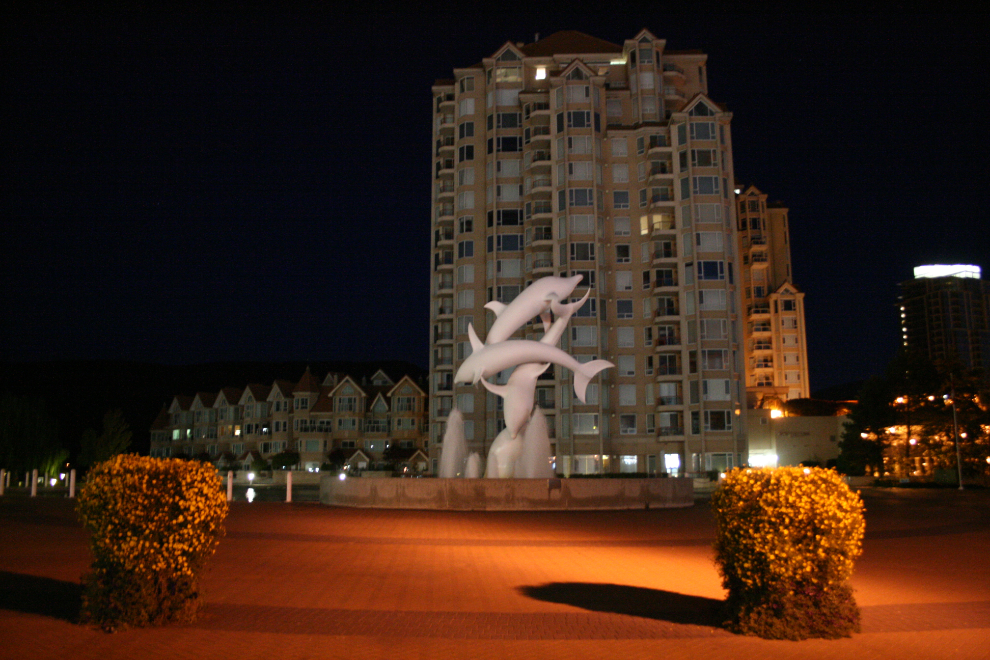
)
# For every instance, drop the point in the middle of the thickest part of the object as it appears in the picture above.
(153, 523)
(785, 545)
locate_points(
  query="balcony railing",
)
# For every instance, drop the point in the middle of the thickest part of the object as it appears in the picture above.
(668, 370)
(668, 340)
(671, 430)
(669, 400)
(758, 309)
(664, 281)
(542, 234)
(542, 263)
(665, 253)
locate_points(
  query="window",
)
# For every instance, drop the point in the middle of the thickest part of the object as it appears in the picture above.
(626, 337)
(714, 359)
(505, 120)
(626, 365)
(582, 251)
(789, 323)
(583, 224)
(704, 157)
(788, 305)
(620, 173)
(713, 329)
(620, 199)
(705, 185)
(465, 200)
(718, 420)
(507, 74)
(711, 299)
(624, 309)
(588, 310)
(623, 255)
(465, 152)
(709, 241)
(466, 84)
(505, 217)
(505, 243)
(504, 144)
(463, 322)
(715, 389)
(580, 170)
(465, 249)
(584, 335)
(465, 299)
(703, 130)
(584, 423)
(577, 197)
(711, 270)
(623, 280)
(465, 107)
(465, 130)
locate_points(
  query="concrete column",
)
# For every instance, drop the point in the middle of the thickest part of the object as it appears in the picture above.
(288, 486)
(230, 485)
(3, 476)
(72, 483)
(34, 482)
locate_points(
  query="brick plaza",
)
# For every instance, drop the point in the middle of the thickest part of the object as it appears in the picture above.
(308, 581)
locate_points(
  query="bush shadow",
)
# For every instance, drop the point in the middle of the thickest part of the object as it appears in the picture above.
(632, 601)
(31, 594)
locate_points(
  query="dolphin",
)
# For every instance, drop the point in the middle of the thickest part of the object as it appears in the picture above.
(519, 392)
(487, 360)
(538, 299)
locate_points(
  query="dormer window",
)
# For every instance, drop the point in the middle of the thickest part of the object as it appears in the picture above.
(541, 73)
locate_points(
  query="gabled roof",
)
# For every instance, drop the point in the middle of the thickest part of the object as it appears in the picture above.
(307, 383)
(281, 389)
(204, 400)
(373, 398)
(355, 453)
(228, 396)
(381, 375)
(697, 98)
(405, 380)
(324, 402)
(570, 42)
(347, 380)
(256, 391)
(787, 288)
(180, 402)
(162, 420)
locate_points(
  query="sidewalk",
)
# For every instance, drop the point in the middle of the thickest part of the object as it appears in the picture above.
(307, 581)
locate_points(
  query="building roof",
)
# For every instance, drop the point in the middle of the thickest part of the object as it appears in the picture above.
(162, 421)
(569, 42)
(307, 383)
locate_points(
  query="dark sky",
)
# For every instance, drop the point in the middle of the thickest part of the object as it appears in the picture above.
(243, 185)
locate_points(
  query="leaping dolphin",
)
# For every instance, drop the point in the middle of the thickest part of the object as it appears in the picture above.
(519, 392)
(487, 360)
(542, 296)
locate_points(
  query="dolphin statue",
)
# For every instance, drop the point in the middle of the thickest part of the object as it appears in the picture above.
(519, 392)
(538, 299)
(487, 360)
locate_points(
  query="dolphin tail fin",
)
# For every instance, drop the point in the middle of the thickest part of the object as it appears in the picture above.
(564, 310)
(546, 318)
(588, 371)
(476, 344)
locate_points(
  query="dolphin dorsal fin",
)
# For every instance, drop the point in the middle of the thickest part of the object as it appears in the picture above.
(496, 307)
(476, 344)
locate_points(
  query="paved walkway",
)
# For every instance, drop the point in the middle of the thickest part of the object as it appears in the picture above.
(307, 581)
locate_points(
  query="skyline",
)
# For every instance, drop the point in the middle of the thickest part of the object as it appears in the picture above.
(213, 188)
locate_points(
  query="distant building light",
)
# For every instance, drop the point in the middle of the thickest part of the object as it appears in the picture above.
(541, 73)
(941, 270)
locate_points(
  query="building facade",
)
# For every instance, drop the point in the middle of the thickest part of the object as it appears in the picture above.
(774, 332)
(945, 315)
(370, 420)
(575, 155)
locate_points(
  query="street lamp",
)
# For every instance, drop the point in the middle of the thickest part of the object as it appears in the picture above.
(955, 431)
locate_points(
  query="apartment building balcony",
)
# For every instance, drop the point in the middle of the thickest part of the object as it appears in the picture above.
(666, 431)
(445, 101)
(537, 158)
(671, 92)
(442, 236)
(667, 341)
(758, 257)
(541, 210)
(541, 234)
(445, 282)
(664, 283)
(758, 310)
(664, 254)
(673, 71)
(673, 400)
(543, 263)
(537, 135)
(445, 188)
(666, 310)
(760, 328)
(757, 239)
(445, 166)
(445, 122)
(537, 109)
(445, 144)
(661, 196)
(763, 363)
(443, 260)
(668, 370)
(445, 211)
(656, 143)
(541, 185)
(662, 168)
(762, 346)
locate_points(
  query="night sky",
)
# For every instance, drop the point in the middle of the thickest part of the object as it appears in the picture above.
(240, 185)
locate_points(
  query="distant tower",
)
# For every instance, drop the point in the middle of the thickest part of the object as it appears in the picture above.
(945, 315)
(775, 342)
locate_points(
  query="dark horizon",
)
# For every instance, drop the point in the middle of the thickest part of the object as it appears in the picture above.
(214, 187)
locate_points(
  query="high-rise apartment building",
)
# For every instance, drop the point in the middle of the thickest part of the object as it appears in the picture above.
(576, 155)
(945, 315)
(775, 340)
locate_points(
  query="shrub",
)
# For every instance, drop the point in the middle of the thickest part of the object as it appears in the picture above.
(153, 524)
(285, 460)
(785, 544)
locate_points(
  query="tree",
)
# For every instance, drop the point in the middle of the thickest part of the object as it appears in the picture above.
(115, 439)
(285, 460)
(865, 434)
(28, 434)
